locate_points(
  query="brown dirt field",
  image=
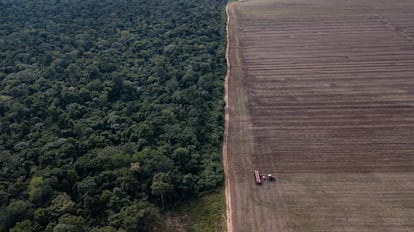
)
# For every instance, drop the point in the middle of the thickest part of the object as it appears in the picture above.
(320, 93)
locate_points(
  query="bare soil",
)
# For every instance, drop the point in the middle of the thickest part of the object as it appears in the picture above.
(320, 93)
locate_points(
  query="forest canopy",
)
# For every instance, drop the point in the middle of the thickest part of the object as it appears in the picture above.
(110, 111)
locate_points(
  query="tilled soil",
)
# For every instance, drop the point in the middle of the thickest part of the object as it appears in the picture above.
(321, 93)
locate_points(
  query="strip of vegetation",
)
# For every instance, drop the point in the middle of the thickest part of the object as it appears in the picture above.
(110, 111)
(204, 214)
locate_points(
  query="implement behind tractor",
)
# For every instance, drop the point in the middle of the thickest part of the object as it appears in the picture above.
(257, 177)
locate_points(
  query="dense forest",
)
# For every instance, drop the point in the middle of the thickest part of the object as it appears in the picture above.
(110, 111)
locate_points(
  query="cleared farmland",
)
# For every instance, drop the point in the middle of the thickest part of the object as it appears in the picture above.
(321, 93)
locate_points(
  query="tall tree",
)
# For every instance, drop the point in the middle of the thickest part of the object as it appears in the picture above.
(161, 185)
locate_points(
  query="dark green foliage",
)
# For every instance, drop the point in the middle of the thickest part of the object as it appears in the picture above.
(138, 216)
(25, 226)
(70, 223)
(161, 185)
(109, 111)
(16, 211)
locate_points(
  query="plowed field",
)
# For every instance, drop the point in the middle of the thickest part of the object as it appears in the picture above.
(321, 93)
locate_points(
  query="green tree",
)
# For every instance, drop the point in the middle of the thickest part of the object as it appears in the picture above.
(25, 226)
(139, 216)
(14, 212)
(104, 229)
(39, 191)
(62, 204)
(43, 216)
(161, 185)
(116, 90)
(70, 223)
